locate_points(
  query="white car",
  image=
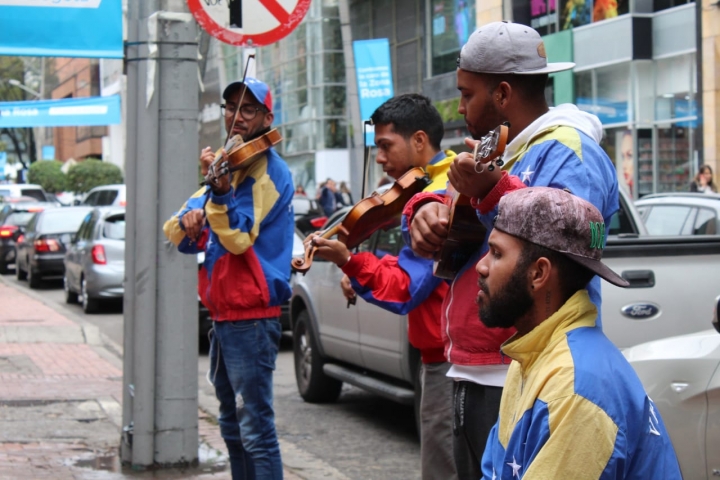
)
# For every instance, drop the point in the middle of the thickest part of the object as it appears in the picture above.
(105, 196)
(682, 376)
(682, 213)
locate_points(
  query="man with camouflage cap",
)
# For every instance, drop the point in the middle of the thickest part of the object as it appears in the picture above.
(572, 406)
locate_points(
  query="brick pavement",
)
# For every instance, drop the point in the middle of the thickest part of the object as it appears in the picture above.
(60, 410)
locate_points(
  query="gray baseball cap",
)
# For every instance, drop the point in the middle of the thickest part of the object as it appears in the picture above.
(560, 221)
(504, 47)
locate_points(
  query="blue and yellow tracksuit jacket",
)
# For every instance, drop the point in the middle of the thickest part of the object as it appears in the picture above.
(247, 241)
(573, 408)
(405, 284)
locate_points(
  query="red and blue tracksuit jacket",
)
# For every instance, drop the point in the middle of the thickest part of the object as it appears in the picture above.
(405, 284)
(247, 241)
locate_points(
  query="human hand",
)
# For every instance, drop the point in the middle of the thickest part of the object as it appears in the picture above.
(193, 222)
(331, 250)
(207, 157)
(220, 185)
(464, 177)
(429, 229)
(347, 289)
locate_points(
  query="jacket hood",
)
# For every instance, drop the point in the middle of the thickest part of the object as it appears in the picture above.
(567, 115)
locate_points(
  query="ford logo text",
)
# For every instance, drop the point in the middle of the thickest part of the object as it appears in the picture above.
(640, 311)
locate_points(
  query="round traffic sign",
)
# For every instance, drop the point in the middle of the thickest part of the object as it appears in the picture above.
(250, 23)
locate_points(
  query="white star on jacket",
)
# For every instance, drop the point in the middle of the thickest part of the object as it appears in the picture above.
(515, 467)
(526, 174)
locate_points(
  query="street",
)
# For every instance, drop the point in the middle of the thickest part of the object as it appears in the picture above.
(362, 436)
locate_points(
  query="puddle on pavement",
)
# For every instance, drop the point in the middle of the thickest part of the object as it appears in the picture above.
(210, 461)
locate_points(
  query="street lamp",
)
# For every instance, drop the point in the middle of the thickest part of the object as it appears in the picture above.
(21, 86)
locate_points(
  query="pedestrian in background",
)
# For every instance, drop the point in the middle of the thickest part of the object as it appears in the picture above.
(703, 182)
(502, 73)
(300, 190)
(344, 197)
(244, 223)
(572, 406)
(408, 132)
(327, 200)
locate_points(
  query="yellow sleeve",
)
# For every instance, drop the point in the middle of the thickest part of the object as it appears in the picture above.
(171, 228)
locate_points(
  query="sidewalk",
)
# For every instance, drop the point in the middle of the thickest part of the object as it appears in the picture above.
(60, 411)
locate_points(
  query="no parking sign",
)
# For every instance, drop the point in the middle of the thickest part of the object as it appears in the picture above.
(249, 23)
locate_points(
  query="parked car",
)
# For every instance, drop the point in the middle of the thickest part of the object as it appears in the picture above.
(95, 259)
(682, 376)
(680, 213)
(40, 250)
(15, 190)
(13, 218)
(367, 346)
(106, 195)
(205, 322)
(308, 215)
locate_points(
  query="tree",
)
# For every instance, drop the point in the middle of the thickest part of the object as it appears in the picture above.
(22, 139)
(48, 175)
(92, 173)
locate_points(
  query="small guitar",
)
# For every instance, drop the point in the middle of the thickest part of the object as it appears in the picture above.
(465, 232)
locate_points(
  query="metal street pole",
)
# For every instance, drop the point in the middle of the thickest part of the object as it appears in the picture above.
(160, 410)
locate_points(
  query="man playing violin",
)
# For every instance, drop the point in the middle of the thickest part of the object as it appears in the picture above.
(244, 223)
(408, 131)
(502, 73)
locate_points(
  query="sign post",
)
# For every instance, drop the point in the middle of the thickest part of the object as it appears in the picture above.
(248, 23)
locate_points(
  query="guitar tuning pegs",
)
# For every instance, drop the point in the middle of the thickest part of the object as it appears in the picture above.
(491, 167)
(499, 162)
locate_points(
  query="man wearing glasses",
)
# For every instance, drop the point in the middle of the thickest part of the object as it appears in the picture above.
(244, 224)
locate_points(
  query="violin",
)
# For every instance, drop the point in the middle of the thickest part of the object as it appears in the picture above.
(240, 154)
(465, 232)
(378, 211)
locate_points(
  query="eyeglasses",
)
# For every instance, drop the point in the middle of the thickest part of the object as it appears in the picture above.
(248, 112)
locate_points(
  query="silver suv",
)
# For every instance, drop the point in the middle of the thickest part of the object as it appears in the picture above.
(363, 345)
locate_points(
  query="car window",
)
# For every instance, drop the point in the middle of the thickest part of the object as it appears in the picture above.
(620, 222)
(667, 219)
(389, 242)
(32, 223)
(62, 220)
(35, 193)
(106, 197)
(19, 219)
(114, 227)
(705, 222)
(83, 232)
(5, 192)
(91, 199)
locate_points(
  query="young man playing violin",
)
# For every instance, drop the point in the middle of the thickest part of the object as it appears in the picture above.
(408, 131)
(502, 73)
(244, 223)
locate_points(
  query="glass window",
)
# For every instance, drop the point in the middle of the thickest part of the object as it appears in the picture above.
(605, 92)
(673, 159)
(705, 222)
(91, 199)
(335, 133)
(452, 23)
(34, 193)
(19, 219)
(62, 220)
(674, 91)
(668, 219)
(389, 242)
(114, 228)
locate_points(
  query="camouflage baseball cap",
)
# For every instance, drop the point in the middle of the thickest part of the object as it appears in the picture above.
(560, 221)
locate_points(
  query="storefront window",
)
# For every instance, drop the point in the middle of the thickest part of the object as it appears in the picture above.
(605, 92)
(452, 23)
(673, 157)
(575, 13)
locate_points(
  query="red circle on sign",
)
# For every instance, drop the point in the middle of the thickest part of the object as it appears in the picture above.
(255, 40)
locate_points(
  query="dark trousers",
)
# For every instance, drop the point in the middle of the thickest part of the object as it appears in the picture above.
(476, 409)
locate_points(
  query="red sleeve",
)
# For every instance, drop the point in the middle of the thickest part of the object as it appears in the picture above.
(506, 184)
(417, 201)
(382, 278)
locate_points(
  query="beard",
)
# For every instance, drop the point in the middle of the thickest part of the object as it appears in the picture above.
(512, 302)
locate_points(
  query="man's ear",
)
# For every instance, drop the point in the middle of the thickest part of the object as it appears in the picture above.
(267, 121)
(419, 140)
(539, 273)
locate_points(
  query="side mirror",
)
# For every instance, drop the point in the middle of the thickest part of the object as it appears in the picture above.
(716, 314)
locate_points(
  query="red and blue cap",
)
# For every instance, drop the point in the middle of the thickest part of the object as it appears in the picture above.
(259, 90)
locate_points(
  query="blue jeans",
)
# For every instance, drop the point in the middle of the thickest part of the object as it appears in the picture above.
(242, 359)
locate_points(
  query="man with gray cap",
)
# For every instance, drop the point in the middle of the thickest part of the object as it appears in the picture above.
(572, 406)
(502, 74)
(244, 224)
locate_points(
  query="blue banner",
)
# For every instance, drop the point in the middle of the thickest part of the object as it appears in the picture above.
(67, 112)
(374, 76)
(3, 161)
(61, 28)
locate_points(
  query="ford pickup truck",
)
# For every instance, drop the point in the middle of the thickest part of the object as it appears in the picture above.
(673, 284)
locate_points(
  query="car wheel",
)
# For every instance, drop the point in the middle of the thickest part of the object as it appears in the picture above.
(33, 278)
(313, 385)
(89, 305)
(19, 272)
(3, 268)
(70, 296)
